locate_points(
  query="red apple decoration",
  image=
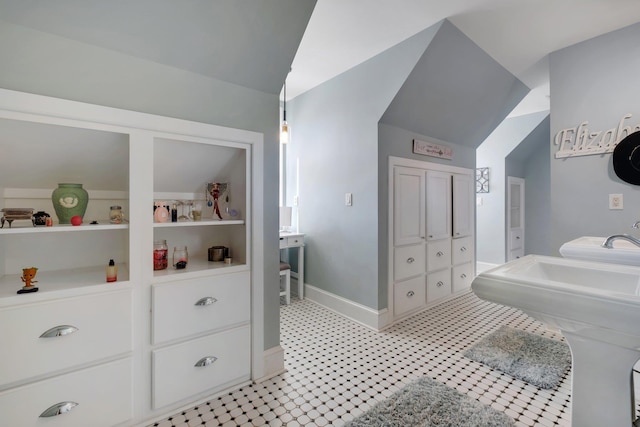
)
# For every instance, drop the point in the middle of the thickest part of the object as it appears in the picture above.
(76, 220)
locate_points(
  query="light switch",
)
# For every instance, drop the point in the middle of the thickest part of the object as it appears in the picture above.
(616, 201)
(348, 199)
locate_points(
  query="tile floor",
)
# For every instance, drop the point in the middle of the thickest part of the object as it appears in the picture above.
(337, 369)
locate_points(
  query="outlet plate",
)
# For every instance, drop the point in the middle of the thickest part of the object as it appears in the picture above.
(616, 202)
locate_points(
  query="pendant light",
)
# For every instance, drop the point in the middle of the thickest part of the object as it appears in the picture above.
(285, 130)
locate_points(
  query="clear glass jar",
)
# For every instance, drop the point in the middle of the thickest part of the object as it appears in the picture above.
(160, 255)
(115, 215)
(180, 257)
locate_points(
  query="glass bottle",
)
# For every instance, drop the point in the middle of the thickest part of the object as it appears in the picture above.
(180, 257)
(115, 215)
(160, 255)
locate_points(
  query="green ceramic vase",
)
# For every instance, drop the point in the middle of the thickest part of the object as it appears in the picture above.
(69, 200)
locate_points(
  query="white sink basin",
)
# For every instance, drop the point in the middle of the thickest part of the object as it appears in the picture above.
(590, 249)
(596, 306)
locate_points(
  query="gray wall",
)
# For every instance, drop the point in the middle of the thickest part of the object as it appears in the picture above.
(530, 161)
(456, 92)
(490, 215)
(538, 193)
(335, 140)
(597, 81)
(40, 63)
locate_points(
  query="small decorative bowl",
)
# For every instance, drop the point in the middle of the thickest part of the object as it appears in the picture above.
(12, 214)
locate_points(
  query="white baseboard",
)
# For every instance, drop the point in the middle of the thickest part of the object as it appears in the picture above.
(273, 363)
(366, 316)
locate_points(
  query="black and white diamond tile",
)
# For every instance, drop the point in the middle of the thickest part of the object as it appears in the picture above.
(337, 369)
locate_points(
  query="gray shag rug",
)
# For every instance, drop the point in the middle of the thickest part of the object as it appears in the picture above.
(427, 403)
(528, 357)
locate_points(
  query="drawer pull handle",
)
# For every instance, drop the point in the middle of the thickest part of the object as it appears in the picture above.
(59, 331)
(463, 276)
(206, 361)
(440, 253)
(58, 409)
(410, 294)
(463, 249)
(206, 301)
(440, 284)
(410, 260)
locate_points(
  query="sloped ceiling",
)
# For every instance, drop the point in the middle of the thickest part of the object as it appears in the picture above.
(456, 93)
(539, 137)
(246, 42)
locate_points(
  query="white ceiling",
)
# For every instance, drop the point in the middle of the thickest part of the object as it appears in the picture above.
(519, 34)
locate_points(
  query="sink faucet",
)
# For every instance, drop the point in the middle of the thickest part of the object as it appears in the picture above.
(609, 242)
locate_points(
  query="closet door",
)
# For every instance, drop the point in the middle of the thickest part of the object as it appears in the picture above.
(438, 205)
(515, 218)
(408, 206)
(463, 193)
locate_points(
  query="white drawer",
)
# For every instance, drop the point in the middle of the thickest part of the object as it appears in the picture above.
(295, 241)
(176, 376)
(292, 241)
(515, 254)
(438, 285)
(462, 250)
(438, 254)
(193, 306)
(408, 295)
(283, 242)
(103, 323)
(408, 261)
(515, 235)
(103, 394)
(462, 277)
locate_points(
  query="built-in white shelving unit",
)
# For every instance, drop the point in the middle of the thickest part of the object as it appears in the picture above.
(154, 341)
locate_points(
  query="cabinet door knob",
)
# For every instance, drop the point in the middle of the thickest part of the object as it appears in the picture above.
(58, 331)
(517, 237)
(440, 284)
(206, 361)
(58, 409)
(206, 301)
(410, 260)
(440, 253)
(463, 276)
(463, 249)
(410, 294)
(430, 236)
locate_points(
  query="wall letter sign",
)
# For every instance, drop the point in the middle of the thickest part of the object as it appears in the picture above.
(580, 141)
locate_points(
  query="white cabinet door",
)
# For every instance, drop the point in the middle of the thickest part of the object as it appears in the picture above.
(408, 206)
(515, 218)
(438, 205)
(463, 194)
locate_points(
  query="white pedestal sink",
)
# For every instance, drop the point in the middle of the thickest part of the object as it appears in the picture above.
(597, 308)
(590, 248)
